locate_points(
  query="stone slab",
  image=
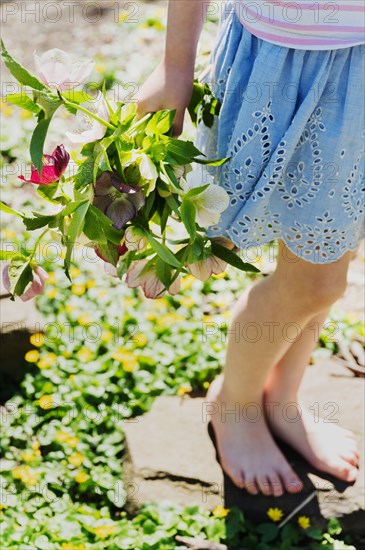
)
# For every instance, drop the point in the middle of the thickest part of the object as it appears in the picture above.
(172, 455)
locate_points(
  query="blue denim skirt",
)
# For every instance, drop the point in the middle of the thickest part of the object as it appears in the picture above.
(293, 124)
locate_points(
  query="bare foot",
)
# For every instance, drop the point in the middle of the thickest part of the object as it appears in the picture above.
(247, 451)
(326, 446)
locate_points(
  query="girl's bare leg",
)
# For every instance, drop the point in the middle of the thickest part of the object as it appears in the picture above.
(260, 334)
(325, 445)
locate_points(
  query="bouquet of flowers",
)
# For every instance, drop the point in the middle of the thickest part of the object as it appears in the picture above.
(132, 173)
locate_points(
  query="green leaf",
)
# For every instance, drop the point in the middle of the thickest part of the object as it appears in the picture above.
(188, 213)
(23, 101)
(217, 162)
(84, 175)
(163, 252)
(231, 258)
(102, 221)
(7, 254)
(9, 210)
(38, 221)
(77, 96)
(163, 272)
(37, 143)
(196, 191)
(20, 274)
(180, 152)
(48, 192)
(315, 534)
(269, 531)
(21, 74)
(74, 230)
(161, 122)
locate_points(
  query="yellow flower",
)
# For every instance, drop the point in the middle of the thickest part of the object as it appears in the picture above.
(37, 339)
(102, 293)
(72, 546)
(100, 67)
(141, 339)
(47, 361)
(84, 319)
(32, 356)
(220, 512)
(208, 318)
(183, 389)
(6, 109)
(52, 293)
(304, 522)
(2, 506)
(26, 475)
(70, 308)
(51, 279)
(65, 437)
(220, 275)
(128, 301)
(76, 459)
(85, 355)
(74, 272)
(46, 402)
(91, 283)
(78, 290)
(81, 477)
(187, 301)
(128, 359)
(106, 336)
(73, 441)
(35, 444)
(169, 319)
(103, 531)
(160, 303)
(275, 514)
(187, 281)
(206, 384)
(151, 316)
(29, 456)
(9, 234)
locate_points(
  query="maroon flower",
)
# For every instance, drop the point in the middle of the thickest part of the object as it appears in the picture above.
(53, 167)
(119, 201)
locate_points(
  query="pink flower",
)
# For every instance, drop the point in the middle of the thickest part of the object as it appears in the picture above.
(203, 269)
(109, 268)
(87, 129)
(149, 282)
(36, 286)
(119, 201)
(134, 239)
(57, 68)
(53, 167)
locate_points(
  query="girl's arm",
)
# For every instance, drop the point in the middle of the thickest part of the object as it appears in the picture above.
(170, 85)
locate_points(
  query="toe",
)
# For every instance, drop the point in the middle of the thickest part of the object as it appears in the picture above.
(251, 486)
(350, 457)
(291, 481)
(236, 476)
(263, 484)
(276, 485)
(342, 469)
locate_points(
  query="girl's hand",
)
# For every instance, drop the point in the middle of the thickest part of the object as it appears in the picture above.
(166, 88)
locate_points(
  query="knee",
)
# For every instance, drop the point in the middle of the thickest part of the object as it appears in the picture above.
(315, 294)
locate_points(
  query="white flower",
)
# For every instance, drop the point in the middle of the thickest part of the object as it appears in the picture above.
(57, 68)
(210, 203)
(88, 129)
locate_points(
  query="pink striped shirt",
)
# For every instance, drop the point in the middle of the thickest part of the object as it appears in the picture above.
(305, 25)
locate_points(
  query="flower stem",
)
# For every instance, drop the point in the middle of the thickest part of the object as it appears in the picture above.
(88, 113)
(138, 124)
(37, 243)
